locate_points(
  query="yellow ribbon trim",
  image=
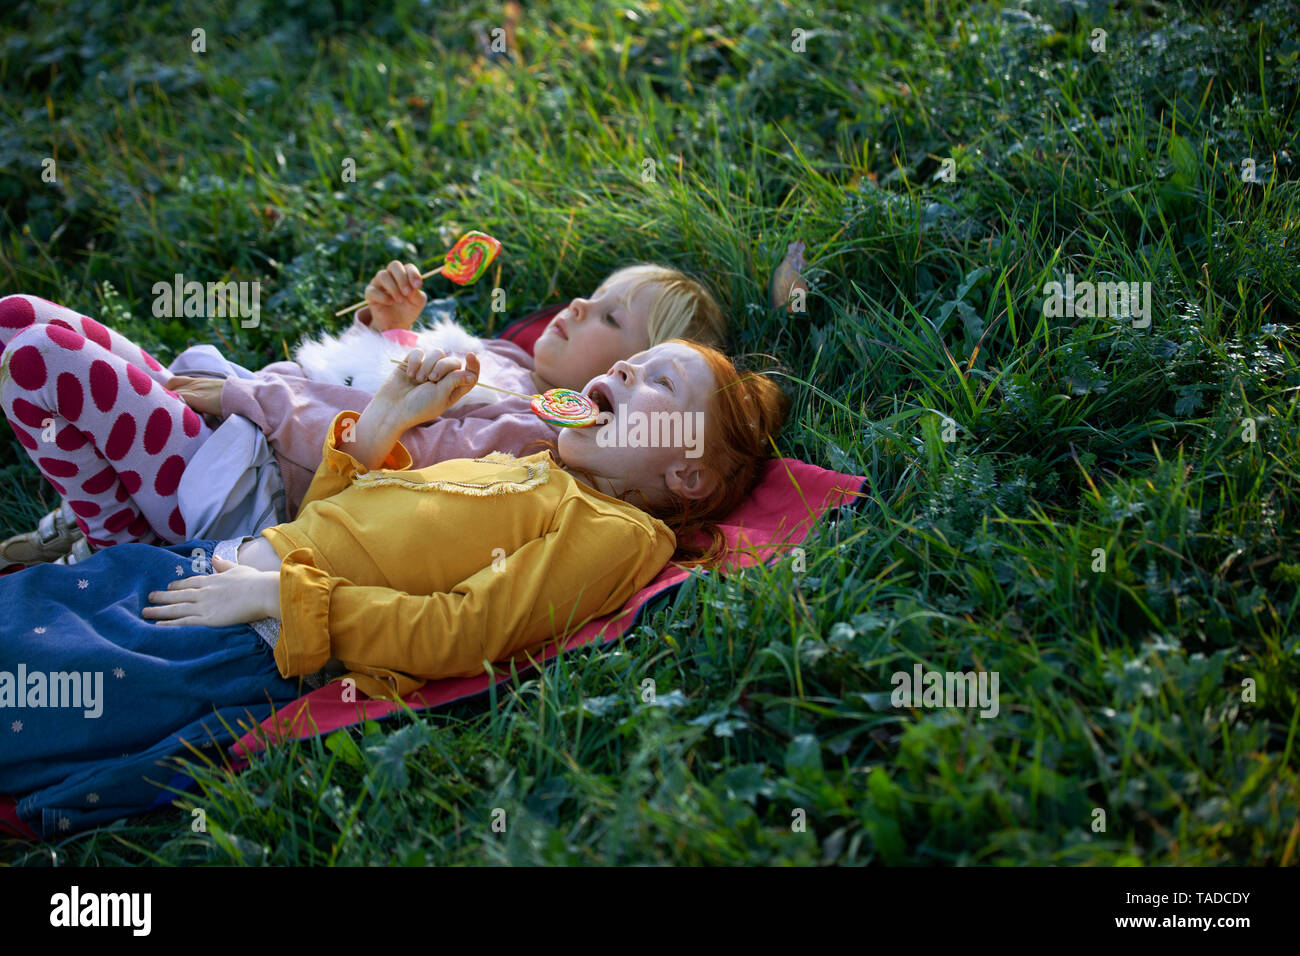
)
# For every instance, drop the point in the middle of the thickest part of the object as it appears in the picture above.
(536, 474)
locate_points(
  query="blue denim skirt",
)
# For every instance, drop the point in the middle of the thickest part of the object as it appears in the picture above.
(94, 697)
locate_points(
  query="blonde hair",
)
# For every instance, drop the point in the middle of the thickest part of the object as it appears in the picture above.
(682, 309)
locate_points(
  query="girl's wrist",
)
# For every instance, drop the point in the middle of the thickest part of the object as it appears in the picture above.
(379, 415)
(391, 423)
(377, 432)
(271, 594)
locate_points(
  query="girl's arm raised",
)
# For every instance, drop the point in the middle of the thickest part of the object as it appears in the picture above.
(419, 391)
(360, 442)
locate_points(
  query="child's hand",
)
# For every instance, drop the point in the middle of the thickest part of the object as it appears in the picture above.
(419, 391)
(201, 394)
(235, 594)
(394, 298)
(427, 386)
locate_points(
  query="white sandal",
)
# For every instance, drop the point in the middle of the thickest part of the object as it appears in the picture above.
(80, 551)
(54, 535)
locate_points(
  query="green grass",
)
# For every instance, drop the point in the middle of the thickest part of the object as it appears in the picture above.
(1075, 439)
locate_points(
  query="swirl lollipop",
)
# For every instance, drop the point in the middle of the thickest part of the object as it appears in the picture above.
(564, 407)
(557, 406)
(468, 259)
(464, 263)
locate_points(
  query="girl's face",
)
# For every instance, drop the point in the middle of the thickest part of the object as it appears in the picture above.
(590, 335)
(650, 432)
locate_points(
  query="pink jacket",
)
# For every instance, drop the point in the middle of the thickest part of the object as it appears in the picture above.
(295, 414)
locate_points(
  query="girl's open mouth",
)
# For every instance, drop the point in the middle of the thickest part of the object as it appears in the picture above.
(601, 398)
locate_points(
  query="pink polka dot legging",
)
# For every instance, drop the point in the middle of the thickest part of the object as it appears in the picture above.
(91, 410)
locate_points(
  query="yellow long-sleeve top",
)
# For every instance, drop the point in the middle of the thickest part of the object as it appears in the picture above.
(407, 575)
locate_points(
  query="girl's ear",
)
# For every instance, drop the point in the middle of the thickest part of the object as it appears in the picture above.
(690, 479)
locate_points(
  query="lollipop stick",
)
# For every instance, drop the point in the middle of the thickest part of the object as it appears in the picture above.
(353, 308)
(480, 384)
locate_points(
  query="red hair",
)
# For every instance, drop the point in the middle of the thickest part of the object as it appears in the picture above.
(745, 414)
